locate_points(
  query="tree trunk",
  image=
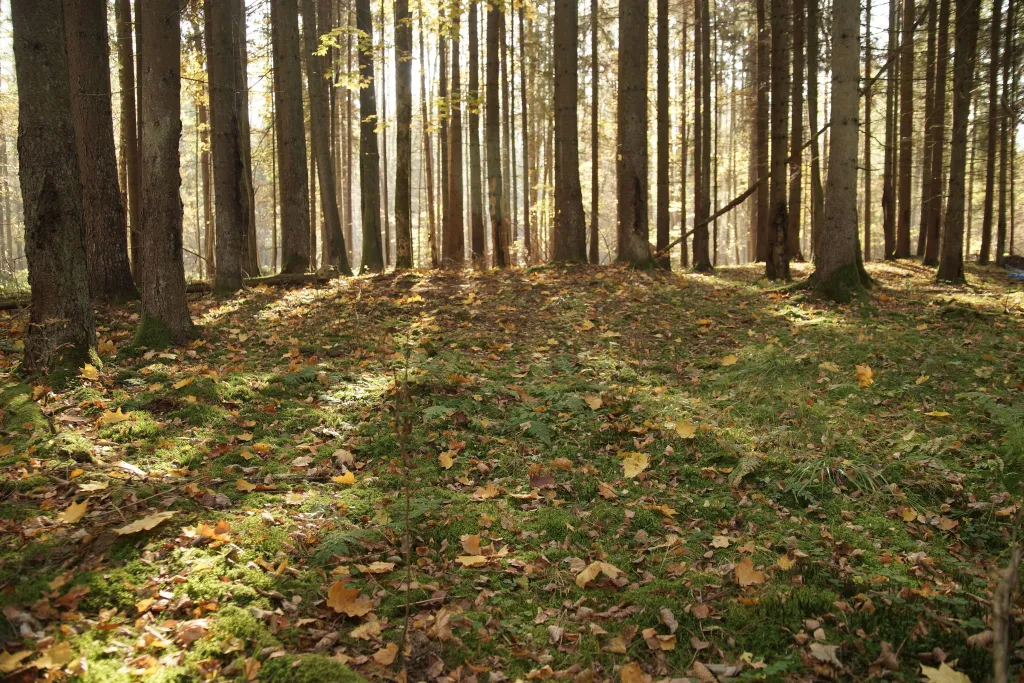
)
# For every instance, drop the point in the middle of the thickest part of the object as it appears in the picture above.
(250, 253)
(662, 217)
(442, 115)
(230, 194)
(337, 254)
(207, 184)
(291, 137)
(761, 240)
(868, 208)
(372, 260)
(428, 151)
(403, 135)
(838, 270)
(631, 155)
(527, 227)
(932, 234)
(993, 134)
(930, 126)
(796, 132)
(951, 262)
(684, 257)
(382, 126)
(478, 239)
(889, 165)
(1005, 128)
(570, 225)
(506, 136)
(817, 191)
(906, 136)
(129, 122)
(60, 333)
(495, 188)
(777, 265)
(165, 316)
(453, 243)
(106, 239)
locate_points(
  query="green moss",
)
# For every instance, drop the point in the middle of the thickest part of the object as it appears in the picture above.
(22, 416)
(844, 285)
(307, 669)
(153, 333)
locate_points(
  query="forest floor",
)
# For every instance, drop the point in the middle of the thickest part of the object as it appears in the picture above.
(613, 475)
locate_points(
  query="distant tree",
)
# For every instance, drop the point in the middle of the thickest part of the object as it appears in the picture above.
(931, 229)
(453, 242)
(838, 269)
(762, 119)
(777, 265)
(291, 137)
(906, 136)
(369, 157)
(492, 125)
(128, 120)
(594, 254)
(796, 135)
(61, 331)
(428, 149)
(664, 123)
(403, 135)
(817, 191)
(868, 208)
(701, 252)
(631, 154)
(889, 165)
(250, 252)
(165, 316)
(570, 238)
(477, 231)
(993, 134)
(951, 262)
(1005, 127)
(106, 239)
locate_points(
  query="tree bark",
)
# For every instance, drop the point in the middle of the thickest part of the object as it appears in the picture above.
(165, 316)
(369, 158)
(61, 332)
(662, 217)
(428, 151)
(631, 155)
(453, 242)
(527, 227)
(994, 119)
(684, 256)
(495, 187)
(761, 238)
(777, 266)
(889, 165)
(129, 121)
(291, 137)
(442, 115)
(796, 133)
(932, 233)
(906, 136)
(250, 252)
(106, 240)
(478, 235)
(403, 135)
(868, 208)
(838, 270)
(928, 149)
(817, 191)
(1006, 125)
(570, 225)
(702, 133)
(951, 262)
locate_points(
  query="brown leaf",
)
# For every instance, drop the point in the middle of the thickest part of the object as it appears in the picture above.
(747, 575)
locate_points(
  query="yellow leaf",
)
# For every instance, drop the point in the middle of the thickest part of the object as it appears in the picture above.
(729, 360)
(593, 401)
(865, 376)
(243, 485)
(145, 524)
(634, 463)
(341, 598)
(77, 472)
(587, 325)
(922, 379)
(593, 569)
(184, 383)
(632, 673)
(786, 562)
(91, 486)
(55, 657)
(447, 459)
(294, 498)
(944, 674)
(348, 478)
(74, 512)
(686, 429)
(90, 372)
(106, 347)
(485, 492)
(109, 417)
(720, 542)
(746, 575)
(386, 655)
(471, 560)
(9, 662)
(829, 366)
(909, 514)
(938, 413)
(376, 567)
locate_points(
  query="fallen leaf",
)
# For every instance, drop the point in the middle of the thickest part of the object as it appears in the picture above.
(74, 512)
(346, 600)
(729, 360)
(825, 653)
(595, 568)
(485, 492)
(829, 366)
(9, 662)
(348, 478)
(446, 459)
(944, 674)
(865, 376)
(386, 655)
(686, 429)
(113, 417)
(720, 542)
(634, 463)
(746, 575)
(668, 619)
(90, 372)
(632, 673)
(184, 383)
(471, 560)
(90, 486)
(938, 413)
(145, 524)
(593, 401)
(55, 657)
(243, 485)
(376, 567)
(786, 562)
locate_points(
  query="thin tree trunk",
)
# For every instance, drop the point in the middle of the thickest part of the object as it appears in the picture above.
(867, 133)
(594, 255)
(291, 137)
(817, 191)
(1005, 127)
(777, 265)
(631, 155)
(796, 132)
(684, 259)
(106, 239)
(906, 135)
(951, 262)
(478, 240)
(662, 217)
(994, 126)
(428, 152)
(165, 316)
(889, 164)
(570, 224)
(403, 135)
(928, 151)
(527, 228)
(207, 184)
(337, 254)
(61, 332)
(129, 121)
(761, 240)
(506, 137)
(372, 260)
(495, 188)
(250, 241)
(933, 233)
(453, 243)
(383, 126)
(443, 113)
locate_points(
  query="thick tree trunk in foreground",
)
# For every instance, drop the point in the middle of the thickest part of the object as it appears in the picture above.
(453, 240)
(631, 155)
(230, 194)
(291, 137)
(337, 254)
(106, 239)
(951, 261)
(369, 157)
(477, 232)
(129, 121)
(777, 265)
(165, 316)
(838, 270)
(495, 187)
(61, 331)
(570, 224)
(403, 135)
(906, 136)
